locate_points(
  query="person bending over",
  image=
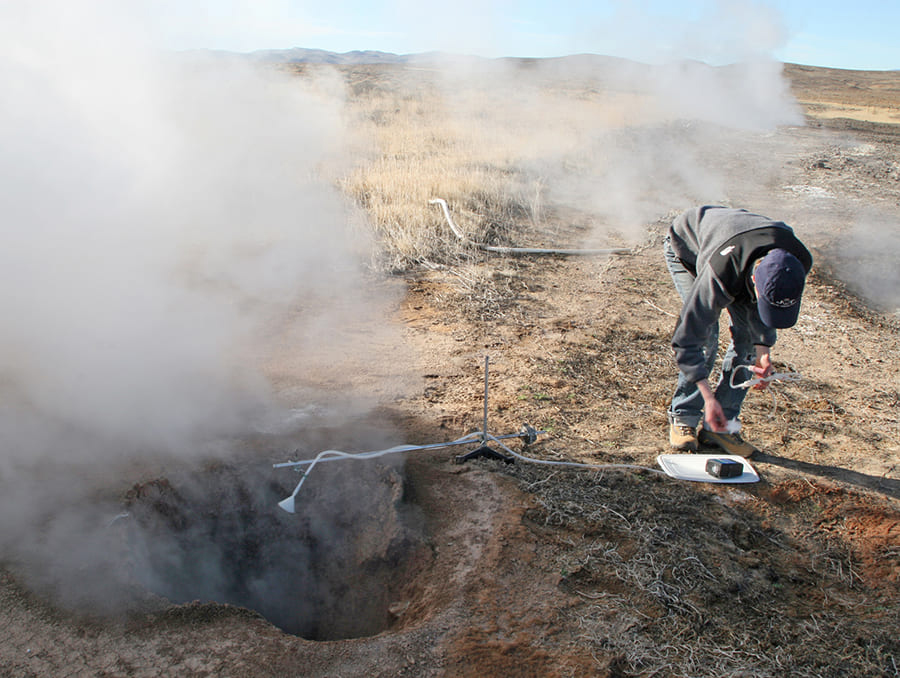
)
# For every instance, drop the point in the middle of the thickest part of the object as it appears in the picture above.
(724, 258)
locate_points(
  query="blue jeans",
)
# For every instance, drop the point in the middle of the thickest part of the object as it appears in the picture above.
(687, 402)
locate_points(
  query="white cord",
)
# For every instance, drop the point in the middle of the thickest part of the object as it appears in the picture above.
(574, 464)
(519, 250)
(336, 455)
(775, 376)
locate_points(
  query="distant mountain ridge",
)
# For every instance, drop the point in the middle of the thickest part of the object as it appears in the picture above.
(303, 55)
(297, 55)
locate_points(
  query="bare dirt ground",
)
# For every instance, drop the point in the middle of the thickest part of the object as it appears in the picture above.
(530, 570)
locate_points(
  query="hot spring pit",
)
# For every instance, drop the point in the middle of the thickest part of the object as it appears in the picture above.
(330, 571)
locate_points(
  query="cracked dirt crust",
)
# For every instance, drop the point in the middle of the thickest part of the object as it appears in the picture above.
(579, 347)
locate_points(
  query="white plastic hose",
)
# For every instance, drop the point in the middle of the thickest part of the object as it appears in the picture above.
(519, 250)
(775, 376)
(336, 455)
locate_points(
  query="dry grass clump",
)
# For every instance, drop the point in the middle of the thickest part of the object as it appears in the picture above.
(422, 151)
(485, 146)
(675, 581)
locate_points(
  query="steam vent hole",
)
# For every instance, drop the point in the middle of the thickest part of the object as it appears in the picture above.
(330, 571)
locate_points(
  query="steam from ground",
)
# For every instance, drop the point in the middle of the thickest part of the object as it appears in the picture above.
(628, 142)
(866, 258)
(163, 218)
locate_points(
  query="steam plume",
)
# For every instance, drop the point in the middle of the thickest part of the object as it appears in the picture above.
(161, 216)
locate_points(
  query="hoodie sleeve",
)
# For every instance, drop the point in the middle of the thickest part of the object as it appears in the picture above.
(699, 315)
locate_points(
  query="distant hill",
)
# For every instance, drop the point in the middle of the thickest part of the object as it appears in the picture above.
(300, 55)
(809, 83)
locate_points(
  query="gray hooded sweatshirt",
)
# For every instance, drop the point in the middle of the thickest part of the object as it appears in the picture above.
(720, 245)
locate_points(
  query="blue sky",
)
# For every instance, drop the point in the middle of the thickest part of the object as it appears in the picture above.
(836, 33)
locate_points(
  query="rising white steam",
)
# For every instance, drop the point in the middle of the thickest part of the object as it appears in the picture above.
(156, 212)
(628, 140)
(166, 222)
(622, 141)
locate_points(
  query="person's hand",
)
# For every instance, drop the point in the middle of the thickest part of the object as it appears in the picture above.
(714, 415)
(762, 369)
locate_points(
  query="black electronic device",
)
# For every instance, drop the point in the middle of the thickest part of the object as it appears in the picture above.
(724, 468)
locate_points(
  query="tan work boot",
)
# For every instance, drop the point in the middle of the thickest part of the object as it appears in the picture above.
(682, 437)
(732, 443)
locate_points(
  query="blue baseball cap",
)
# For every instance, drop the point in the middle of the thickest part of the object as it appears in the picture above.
(780, 278)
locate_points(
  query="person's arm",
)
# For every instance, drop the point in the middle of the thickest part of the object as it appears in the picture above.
(699, 314)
